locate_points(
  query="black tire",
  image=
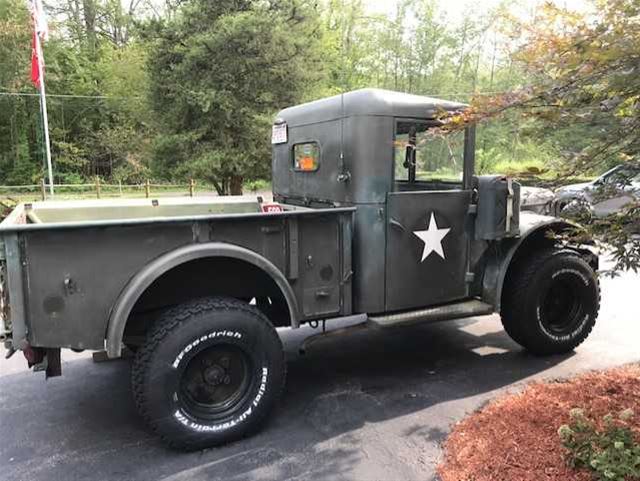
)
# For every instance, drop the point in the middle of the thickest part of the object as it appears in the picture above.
(550, 301)
(209, 372)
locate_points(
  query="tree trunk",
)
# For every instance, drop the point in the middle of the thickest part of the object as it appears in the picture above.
(219, 188)
(235, 185)
(89, 10)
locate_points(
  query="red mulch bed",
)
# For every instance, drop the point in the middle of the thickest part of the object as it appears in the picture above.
(515, 438)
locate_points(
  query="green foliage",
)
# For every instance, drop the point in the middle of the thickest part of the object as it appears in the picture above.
(611, 452)
(583, 72)
(131, 174)
(89, 135)
(524, 157)
(22, 171)
(585, 92)
(6, 206)
(190, 90)
(218, 74)
(257, 185)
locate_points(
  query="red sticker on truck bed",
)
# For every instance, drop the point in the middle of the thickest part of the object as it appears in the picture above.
(271, 208)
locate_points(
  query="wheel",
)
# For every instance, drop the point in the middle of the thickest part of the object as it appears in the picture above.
(550, 302)
(209, 372)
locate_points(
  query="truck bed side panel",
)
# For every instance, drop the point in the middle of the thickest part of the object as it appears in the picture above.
(74, 276)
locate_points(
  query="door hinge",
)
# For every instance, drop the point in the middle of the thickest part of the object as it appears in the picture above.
(510, 202)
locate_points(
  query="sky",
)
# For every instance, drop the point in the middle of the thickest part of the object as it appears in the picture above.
(455, 8)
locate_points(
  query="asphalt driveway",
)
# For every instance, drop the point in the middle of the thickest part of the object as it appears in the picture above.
(368, 405)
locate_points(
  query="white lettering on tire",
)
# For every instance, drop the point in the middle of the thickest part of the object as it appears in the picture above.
(206, 337)
(584, 278)
(567, 337)
(208, 428)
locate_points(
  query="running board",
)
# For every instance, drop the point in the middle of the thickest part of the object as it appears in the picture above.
(431, 314)
(434, 314)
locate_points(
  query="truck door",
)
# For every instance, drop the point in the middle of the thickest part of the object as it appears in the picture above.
(427, 219)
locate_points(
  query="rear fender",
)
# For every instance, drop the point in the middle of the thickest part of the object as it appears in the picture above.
(154, 270)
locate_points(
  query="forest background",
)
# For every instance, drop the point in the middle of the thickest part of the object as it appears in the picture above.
(172, 90)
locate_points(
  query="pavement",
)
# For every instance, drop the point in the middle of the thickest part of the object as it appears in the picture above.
(367, 405)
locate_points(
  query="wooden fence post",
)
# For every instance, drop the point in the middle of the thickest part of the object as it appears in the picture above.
(192, 186)
(120, 187)
(98, 186)
(43, 186)
(147, 188)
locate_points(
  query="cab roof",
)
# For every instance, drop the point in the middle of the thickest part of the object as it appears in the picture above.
(368, 102)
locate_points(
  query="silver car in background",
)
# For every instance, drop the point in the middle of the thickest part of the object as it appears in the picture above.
(605, 195)
(536, 199)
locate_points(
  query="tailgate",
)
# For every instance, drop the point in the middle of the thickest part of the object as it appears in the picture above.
(13, 328)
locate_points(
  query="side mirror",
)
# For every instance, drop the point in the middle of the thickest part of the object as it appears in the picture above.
(409, 156)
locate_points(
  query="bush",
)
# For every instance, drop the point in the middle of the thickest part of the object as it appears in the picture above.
(517, 169)
(517, 157)
(257, 185)
(611, 452)
(6, 206)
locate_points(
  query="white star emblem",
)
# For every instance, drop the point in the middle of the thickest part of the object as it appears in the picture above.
(432, 238)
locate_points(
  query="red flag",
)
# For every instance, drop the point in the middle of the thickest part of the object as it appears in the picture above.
(40, 33)
(35, 68)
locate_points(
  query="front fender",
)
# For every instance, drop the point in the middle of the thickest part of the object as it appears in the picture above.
(533, 229)
(143, 279)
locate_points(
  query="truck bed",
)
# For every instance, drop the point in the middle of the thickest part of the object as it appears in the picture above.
(64, 265)
(56, 212)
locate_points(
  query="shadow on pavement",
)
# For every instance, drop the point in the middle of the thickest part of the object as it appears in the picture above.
(84, 425)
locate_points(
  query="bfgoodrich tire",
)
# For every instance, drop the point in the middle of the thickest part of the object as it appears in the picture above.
(550, 301)
(208, 373)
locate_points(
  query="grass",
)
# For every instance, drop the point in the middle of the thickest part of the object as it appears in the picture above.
(516, 169)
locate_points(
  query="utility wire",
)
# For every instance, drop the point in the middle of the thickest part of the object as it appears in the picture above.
(108, 97)
(26, 94)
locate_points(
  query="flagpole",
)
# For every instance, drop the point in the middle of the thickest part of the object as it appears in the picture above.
(43, 108)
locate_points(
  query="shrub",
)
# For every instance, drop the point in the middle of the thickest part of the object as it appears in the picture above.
(6, 206)
(611, 452)
(257, 185)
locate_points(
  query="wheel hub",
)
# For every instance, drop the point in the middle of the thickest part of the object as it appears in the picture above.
(215, 375)
(561, 306)
(214, 380)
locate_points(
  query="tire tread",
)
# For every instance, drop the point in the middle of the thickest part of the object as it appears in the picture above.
(516, 286)
(170, 320)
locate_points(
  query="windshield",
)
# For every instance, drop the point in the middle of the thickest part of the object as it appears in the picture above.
(436, 155)
(622, 176)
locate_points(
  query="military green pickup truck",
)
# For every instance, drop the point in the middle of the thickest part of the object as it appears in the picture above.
(376, 211)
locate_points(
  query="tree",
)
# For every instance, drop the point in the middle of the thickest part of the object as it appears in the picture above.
(583, 75)
(18, 118)
(219, 72)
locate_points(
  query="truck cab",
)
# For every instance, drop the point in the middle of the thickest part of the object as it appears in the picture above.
(412, 184)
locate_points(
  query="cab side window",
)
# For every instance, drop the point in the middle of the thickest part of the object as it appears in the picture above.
(424, 154)
(306, 157)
